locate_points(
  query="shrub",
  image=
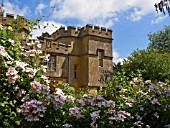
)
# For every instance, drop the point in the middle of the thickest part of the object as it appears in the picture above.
(26, 99)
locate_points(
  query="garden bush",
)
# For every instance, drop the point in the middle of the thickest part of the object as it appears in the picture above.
(26, 100)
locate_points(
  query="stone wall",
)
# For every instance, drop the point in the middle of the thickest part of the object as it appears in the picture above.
(19, 21)
(74, 46)
(80, 46)
(72, 31)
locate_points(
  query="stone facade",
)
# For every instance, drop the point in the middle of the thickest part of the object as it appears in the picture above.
(19, 22)
(81, 55)
(78, 56)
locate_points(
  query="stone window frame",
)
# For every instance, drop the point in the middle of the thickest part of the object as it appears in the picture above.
(51, 64)
(100, 57)
(75, 71)
(48, 43)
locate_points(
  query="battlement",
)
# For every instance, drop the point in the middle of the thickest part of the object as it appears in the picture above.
(84, 31)
(10, 18)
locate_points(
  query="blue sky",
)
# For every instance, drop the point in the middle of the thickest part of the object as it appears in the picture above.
(130, 20)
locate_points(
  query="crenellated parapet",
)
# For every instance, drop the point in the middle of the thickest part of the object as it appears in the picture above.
(87, 30)
(63, 32)
(96, 31)
(20, 20)
(51, 46)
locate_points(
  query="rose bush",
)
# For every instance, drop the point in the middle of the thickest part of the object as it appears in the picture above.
(148, 102)
(26, 99)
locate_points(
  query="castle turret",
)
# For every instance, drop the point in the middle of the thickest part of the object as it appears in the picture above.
(9, 18)
(71, 31)
(81, 55)
(19, 21)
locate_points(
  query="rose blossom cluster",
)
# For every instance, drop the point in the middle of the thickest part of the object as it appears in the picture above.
(155, 94)
(97, 104)
(34, 52)
(67, 125)
(20, 64)
(34, 48)
(130, 103)
(94, 116)
(94, 108)
(18, 69)
(121, 116)
(4, 53)
(37, 87)
(118, 116)
(12, 75)
(32, 110)
(76, 112)
(97, 101)
(1, 27)
(46, 80)
(58, 99)
(31, 72)
(86, 100)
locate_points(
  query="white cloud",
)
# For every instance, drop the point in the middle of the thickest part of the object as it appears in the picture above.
(54, 2)
(14, 9)
(136, 15)
(99, 12)
(158, 19)
(116, 19)
(116, 58)
(119, 60)
(102, 10)
(84, 10)
(115, 55)
(142, 8)
(101, 22)
(51, 27)
(108, 23)
(39, 8)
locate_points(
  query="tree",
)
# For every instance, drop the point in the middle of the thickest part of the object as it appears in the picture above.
(163, 6)
(160, 40)
(46, 34)
(153, 64)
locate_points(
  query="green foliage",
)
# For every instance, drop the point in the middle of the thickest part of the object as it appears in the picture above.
(15, 84)
(153, 64)
(26, 100)
(160, 40)
(46, 34)
(146, 101)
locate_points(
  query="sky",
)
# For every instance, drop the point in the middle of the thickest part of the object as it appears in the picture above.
(130, 20)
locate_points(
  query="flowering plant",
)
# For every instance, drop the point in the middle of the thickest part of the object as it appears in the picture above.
(27, 101)
(24, 90)
(147, 101)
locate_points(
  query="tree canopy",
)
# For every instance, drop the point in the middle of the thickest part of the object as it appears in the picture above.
(44, 34)
(153, 64)
(163, 6)
(160, 40)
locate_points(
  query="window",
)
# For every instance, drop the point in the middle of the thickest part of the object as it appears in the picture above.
(75, 71)
(52, 63)
(100, 57)
(48, 44)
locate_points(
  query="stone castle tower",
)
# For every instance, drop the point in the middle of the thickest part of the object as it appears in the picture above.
(19, 22)
(79, 56)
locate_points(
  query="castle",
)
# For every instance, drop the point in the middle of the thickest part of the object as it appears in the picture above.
(21, 23)
(78, 56)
